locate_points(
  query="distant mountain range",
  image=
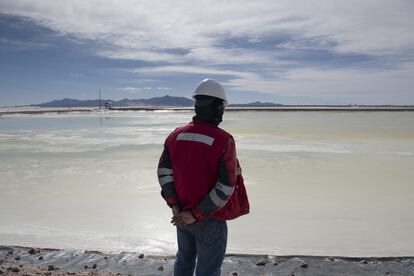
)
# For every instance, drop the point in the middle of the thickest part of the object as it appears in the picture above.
(157, 101)
(257, 104)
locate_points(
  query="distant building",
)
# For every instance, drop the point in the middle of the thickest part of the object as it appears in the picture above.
(108, 105)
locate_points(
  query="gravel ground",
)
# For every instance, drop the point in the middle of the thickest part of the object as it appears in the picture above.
(16, 260)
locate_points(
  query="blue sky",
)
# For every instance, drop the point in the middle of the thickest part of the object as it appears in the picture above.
(291, 52)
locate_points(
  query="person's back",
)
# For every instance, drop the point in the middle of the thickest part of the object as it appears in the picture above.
(198, 173)
(195, 152)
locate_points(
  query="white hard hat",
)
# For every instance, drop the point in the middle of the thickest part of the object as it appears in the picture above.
(209, 87)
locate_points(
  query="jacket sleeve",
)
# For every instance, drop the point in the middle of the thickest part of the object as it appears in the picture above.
(224, 187)
(166, 178)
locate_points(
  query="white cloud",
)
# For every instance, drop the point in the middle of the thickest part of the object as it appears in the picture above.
(343, 85)
(143, 29)
(194, 37)
(21, 45)
(132, 90)
(183, 69)
(346, 85)
(76, 75)
(136, 90)
(138, 54)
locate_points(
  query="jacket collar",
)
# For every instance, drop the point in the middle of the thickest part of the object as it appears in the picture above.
(197, 121)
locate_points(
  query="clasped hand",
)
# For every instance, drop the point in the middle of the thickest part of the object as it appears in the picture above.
(181, 218)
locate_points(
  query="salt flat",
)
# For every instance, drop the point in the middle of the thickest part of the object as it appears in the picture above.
(337, 184)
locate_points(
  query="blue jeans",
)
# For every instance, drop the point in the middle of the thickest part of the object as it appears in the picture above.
(205, 242)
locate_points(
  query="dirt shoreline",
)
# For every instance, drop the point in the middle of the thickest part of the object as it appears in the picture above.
(16, 260)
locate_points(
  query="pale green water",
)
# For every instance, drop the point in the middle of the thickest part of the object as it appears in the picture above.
(319, 182)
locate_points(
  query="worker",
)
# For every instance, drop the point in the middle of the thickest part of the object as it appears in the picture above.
(201, 181)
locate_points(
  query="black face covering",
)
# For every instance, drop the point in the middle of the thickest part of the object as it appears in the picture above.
(209, 109)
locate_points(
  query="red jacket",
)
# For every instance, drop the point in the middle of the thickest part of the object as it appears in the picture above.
(199, 170)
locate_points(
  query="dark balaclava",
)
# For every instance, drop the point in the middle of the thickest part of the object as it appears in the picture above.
(209, 109)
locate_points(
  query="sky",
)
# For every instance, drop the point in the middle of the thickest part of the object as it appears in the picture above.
(285, 51)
